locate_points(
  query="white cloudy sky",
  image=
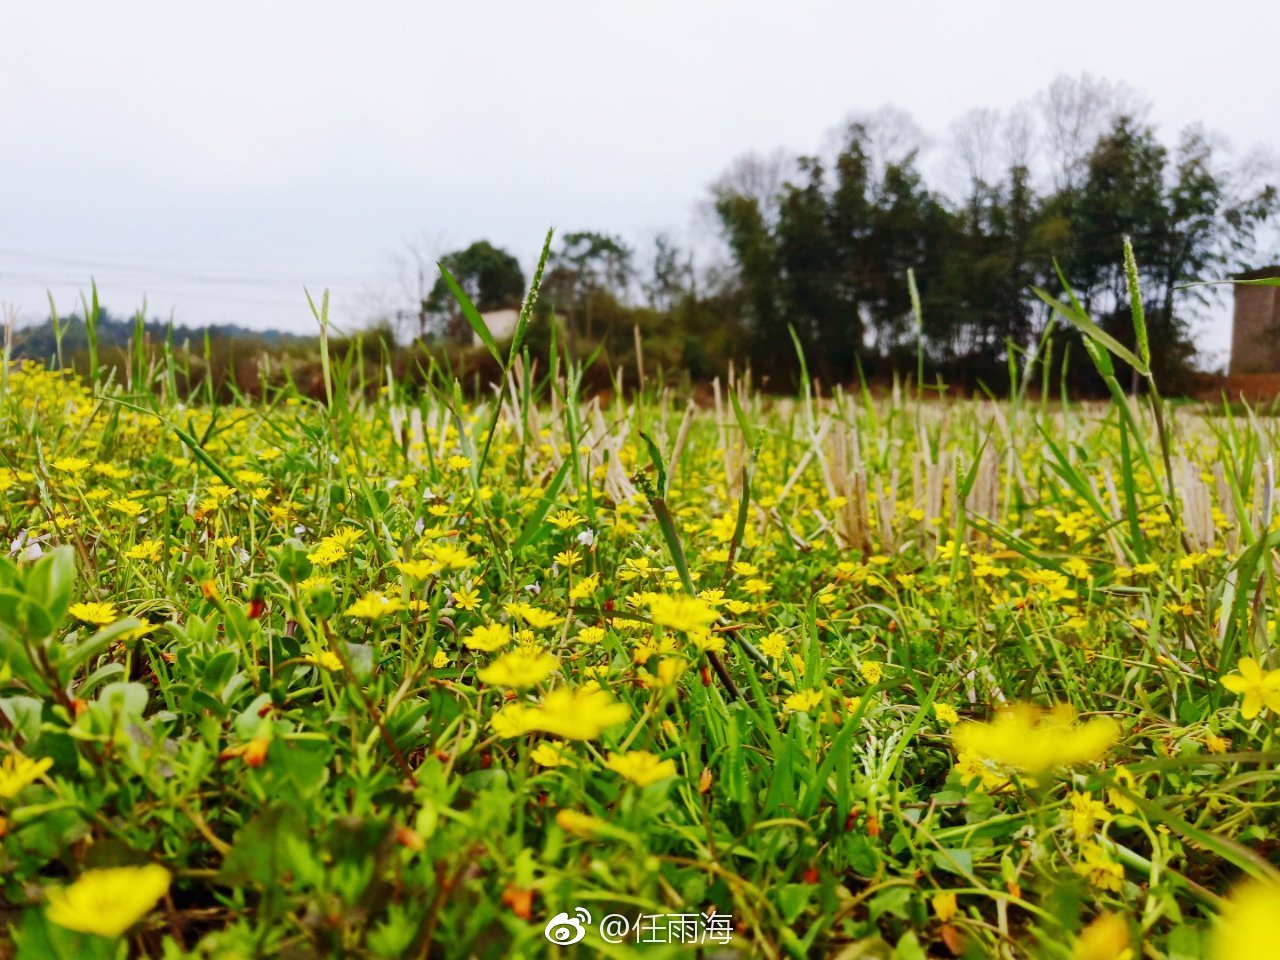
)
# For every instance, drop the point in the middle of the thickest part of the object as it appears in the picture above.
(216, 157)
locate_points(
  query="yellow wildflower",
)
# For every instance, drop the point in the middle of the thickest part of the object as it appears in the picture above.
(1099, 869)
(946, 713)
(451, 557)
(670, 669)
(374, 606)
(564, 519)
(1124, 777)
(465, 598)
(804, 701)
(944, 906)
(72, 464)
(584, 825)
(327, 553)
(1035, 741)
(774, 645)
(549, 754)
(148, 550)
(488, 637)
(108, 902)
(93, 612)
(1259, 689)
(641, 767)
(418, 569)
(591, 635)
(520, 668)
(578, 713)
(1086, 813)
(1107, 938)
(1249, 926)
(18, 771)
(126, 506)
(1216, 744)
(686, 613)
(535, 617)
(970, 767)
(585, 587)
(327, 660)
(513, 720)
(707, 641)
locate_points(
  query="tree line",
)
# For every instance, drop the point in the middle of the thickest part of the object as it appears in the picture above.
(821, 244)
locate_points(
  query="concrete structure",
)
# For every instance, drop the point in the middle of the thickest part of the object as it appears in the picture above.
(1255, 334)
(501, 323)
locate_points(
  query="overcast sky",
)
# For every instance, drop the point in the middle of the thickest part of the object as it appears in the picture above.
(216, 157)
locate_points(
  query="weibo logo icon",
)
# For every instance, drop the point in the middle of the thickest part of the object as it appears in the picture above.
(564, 929)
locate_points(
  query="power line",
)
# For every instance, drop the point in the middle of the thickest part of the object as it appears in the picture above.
(168, 292)
(178, 276)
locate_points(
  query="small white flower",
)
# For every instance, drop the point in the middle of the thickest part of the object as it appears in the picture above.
(587, 537)
(26, 545)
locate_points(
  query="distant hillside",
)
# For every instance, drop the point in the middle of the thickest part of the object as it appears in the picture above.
(37, 342)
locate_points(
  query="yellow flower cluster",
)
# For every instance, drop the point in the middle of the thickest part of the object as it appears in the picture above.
(1032, 740)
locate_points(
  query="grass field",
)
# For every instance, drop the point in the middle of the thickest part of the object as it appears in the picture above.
(412, 675)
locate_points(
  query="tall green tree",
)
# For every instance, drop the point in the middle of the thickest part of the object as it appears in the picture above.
(491, 277)
(754, 249)
(584, 268)
(671, 274)
(823, 244)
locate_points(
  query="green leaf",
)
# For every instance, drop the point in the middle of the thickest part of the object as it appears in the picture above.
(124, 699)
(1093, 331)
(734, 764)
(1260, 282)
(656, 456)
(304, 765)
(196, 447)
(895, 901)
(95, 645)
(262, 853)
(1246, 860)
(49, 582)
(533, 528)
(954, 860)
(1135, 303)
(471, 313)
(23, 615)
(743, 423)
(744, 507)
(530, 300)
(839, 748)
(39, 938)
(793, 898)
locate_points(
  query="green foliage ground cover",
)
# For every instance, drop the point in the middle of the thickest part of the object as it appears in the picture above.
(410, 676)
